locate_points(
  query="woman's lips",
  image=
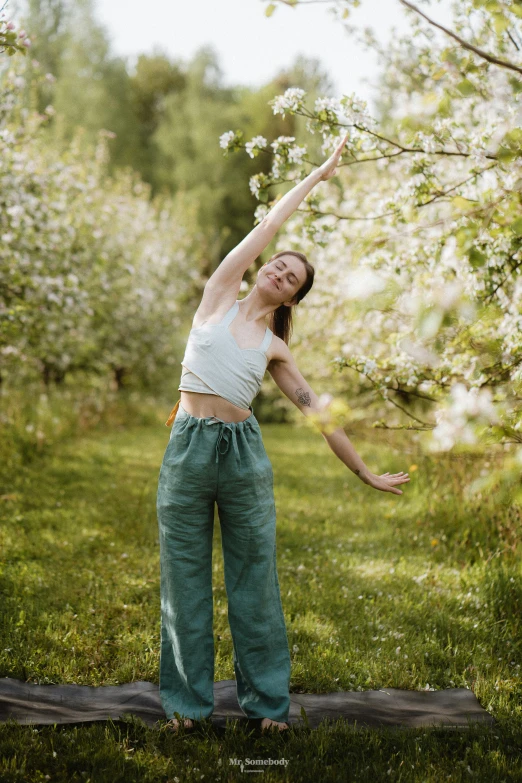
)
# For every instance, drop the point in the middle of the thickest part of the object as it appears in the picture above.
(274, 282)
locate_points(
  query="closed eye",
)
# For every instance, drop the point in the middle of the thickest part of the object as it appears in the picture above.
(291, 277)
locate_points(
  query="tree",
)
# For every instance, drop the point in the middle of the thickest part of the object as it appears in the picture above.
(418, 243)
(90, 88)
(94, 274)
(155, 77)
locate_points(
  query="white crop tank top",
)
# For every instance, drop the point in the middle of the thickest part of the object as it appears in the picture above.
(215, 364)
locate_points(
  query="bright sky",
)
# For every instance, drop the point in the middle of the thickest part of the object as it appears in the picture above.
(251, 47)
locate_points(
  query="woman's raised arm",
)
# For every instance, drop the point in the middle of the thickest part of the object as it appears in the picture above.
(231, 270)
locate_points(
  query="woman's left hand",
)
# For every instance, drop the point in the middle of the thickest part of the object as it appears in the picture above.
(387, 482)
(328, 169)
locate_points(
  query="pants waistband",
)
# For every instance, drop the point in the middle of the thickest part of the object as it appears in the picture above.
(211, 419)
(227, 430)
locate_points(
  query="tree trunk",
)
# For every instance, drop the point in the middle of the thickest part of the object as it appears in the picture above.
(119, 373)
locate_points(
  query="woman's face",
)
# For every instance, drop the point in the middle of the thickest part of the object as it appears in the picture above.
(283, 277)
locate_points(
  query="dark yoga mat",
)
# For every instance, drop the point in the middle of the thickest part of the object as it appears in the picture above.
(28, 703)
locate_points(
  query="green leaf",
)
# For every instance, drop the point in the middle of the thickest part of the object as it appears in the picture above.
(493, 6)
(506, 155)
(476, 258)
(444, 107)
(436, 75)
(461, 203)
(514, 137)
(465, 87)
(511, 145)
(500, 23)
(516, 226)
(465, 236)
(263, 195)
(269, 10)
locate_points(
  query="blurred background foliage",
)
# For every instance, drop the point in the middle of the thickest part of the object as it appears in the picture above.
(117, 205)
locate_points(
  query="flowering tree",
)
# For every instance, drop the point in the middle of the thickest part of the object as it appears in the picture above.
(11, 40)
(93, 274)
(418, 241)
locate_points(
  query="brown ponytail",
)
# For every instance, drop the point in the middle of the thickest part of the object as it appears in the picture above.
(280, 321)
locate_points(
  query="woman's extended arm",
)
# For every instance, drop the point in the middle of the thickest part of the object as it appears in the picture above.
(286, 374)
(234, 265)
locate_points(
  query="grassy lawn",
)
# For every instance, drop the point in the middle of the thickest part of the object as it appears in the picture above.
(412, 591)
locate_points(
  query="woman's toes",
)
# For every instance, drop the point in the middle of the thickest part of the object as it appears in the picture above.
(268, 723)
(173, 724)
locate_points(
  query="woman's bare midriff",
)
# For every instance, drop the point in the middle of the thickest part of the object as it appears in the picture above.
(202, 405)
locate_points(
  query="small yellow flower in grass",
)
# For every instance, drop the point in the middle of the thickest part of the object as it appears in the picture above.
(434, 541)
(412, 468)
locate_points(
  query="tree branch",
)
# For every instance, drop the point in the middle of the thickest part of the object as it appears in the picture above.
(439, 222)
(426, 424)
(470, 47)
(511, 271)
(417, 205)
(513, 41)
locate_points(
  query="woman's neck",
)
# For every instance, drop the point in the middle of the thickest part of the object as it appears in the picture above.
(254, 308)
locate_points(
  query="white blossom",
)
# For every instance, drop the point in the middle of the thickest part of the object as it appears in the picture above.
(226, 139)
(291, 100)
(260, 212)
(256, 143)
(281, 141)
(254, 185)
(296, 154)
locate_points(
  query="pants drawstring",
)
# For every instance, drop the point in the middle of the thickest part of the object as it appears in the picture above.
(223, 434)
(226, 433)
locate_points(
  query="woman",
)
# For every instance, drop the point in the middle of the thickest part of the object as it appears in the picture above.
(216, 455)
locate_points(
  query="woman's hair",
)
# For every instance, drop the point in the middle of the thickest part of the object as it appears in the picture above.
(280, 321)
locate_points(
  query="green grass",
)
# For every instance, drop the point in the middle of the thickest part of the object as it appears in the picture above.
(378, 590)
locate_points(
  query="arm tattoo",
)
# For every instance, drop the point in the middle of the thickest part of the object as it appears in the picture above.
(303, 397)
(357, 472)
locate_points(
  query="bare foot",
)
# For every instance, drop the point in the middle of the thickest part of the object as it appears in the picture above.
(268, 723)
(173, 724)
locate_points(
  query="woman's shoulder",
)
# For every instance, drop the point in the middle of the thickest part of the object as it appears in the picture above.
(278, 350)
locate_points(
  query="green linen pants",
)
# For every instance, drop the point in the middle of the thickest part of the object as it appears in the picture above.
(208, 461)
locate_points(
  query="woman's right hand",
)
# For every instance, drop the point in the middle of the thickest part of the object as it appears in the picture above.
(328, 169)
(386, 482)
